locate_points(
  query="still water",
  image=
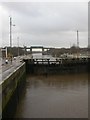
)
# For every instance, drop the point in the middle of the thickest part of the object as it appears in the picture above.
(54, 96)
(62, 96)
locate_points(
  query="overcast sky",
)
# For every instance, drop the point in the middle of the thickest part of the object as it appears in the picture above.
(48, 24)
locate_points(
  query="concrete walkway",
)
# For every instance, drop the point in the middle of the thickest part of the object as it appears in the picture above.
(7, 69)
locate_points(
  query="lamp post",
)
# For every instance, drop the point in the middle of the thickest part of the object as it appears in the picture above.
(6, 52)
(11, 37)
(77, 45)
(18, 45)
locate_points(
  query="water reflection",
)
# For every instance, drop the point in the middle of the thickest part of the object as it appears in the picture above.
(39, 55)
(65, 81)
(62, 96)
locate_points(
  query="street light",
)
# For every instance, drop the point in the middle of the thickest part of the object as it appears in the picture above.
(18, 45)
(11, 37)
(77, 44)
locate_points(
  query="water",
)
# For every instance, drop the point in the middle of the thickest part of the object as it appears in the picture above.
(62, 96)
(39, 55)
(56, 96)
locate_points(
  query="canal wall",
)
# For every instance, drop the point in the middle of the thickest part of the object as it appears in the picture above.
(56, 67)
(12, 87)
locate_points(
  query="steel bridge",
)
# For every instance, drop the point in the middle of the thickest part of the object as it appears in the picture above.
(39, 49)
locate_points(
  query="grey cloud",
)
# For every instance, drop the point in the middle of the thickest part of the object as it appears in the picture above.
(46, 23)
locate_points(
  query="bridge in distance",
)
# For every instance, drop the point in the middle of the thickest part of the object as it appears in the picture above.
(40, 49)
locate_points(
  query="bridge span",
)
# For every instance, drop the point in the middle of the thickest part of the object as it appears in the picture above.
(38, 48)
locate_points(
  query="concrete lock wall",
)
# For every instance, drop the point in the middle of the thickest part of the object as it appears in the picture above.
(11, 91)
(73, 66)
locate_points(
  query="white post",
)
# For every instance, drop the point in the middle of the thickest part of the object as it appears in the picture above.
(6, 52)
(18, 44)
(77, 45)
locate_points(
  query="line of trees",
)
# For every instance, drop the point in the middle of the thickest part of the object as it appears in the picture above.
(56, 52)
(14, 51)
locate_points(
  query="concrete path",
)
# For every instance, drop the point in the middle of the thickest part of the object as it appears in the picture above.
(7, 69)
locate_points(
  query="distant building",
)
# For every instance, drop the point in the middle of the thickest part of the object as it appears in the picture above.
(3, 52)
